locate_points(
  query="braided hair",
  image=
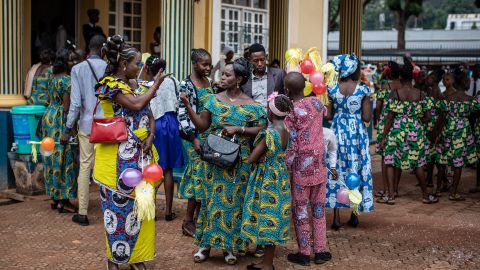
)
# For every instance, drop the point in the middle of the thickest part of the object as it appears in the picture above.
(116, 50)
(199, 53)
(283, 104)
(154, 64)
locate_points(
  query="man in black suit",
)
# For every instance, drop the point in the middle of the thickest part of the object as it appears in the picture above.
(263, 81)
(91, 29)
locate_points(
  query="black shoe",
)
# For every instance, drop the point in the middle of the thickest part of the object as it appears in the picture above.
(353, 221)
(80, 220)
(322, 257)
(299, 258)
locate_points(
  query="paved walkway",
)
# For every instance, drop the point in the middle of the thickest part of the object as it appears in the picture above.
(408, 235)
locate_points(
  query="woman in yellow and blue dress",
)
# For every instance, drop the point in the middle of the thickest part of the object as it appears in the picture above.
(60, 168)
(128, 239)
(233, 114)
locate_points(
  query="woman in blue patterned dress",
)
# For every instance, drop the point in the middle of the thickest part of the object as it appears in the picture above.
(38, 77)
(234, 114)
(351, 109)
(61, 167)
(197, 87)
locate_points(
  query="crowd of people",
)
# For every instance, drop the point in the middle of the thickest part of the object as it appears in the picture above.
(294, 152)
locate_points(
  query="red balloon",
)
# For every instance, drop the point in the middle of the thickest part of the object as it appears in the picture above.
(319, 89)
(153, 173)
(307, 67)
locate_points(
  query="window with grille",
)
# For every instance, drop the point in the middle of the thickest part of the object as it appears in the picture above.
(243, 22)
(125, 18)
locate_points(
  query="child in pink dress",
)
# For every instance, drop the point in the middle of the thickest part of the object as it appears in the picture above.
(305, 160)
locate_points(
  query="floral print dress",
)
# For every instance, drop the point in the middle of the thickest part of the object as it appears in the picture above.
(456, 145)
(353, 146)
(405, 142)
(384, 96)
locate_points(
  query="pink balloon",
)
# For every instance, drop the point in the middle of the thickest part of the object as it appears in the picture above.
(316, 78)
(342, 196)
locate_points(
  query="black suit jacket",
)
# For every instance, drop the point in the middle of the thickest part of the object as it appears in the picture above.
(275, 78)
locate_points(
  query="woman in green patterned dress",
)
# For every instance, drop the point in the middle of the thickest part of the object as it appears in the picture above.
(233, 114)
(455, 145)
(61, 167)
(404, 136)
(197, 87)
(382, 100)
(432, 91)
(39, 75)
(266, 210)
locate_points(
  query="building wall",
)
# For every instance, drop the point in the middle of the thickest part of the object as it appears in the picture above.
(202, 21)
(307, 24)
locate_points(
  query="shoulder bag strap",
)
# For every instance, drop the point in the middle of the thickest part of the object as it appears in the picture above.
(175, 85)
(93, 71)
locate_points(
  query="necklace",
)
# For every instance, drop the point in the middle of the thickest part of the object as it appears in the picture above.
(231, 99)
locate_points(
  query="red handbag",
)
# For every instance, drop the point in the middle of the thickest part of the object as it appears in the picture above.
(108, 130)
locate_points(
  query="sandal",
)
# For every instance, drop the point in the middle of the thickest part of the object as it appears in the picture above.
(188, 228)
(54, 205)
(259, 251)
(170, 217)
(430, 199)
(391, 201)
(202, 255)
(383, 199)
(456, 197)
(230, 259)
(380, 193)
(112, 266)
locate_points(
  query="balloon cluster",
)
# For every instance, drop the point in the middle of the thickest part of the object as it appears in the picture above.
(144, 190)
(151, 174)
(310, 65)
(350, 193)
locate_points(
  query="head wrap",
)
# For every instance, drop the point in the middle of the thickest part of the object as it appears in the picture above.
(273, 108)
(345, 64)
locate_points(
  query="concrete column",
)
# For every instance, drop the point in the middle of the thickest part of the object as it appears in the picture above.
(351, 12)
(177, 36)
(278, 36)
(11, 54)
(11, 79)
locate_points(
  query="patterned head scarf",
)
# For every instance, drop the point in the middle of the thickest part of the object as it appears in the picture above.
(345, 64)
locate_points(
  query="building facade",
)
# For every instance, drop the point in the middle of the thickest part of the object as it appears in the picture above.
(29, 26)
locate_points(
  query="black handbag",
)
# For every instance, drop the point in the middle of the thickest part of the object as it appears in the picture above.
(221, 152)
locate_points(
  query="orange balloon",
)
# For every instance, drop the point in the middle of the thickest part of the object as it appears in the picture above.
(47, 144)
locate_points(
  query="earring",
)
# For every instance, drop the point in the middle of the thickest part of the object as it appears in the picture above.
(124, 68)
(238, 85)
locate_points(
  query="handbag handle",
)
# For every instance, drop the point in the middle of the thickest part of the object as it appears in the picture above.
(233, 139)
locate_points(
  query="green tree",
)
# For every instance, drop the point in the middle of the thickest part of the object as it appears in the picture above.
(403, 10)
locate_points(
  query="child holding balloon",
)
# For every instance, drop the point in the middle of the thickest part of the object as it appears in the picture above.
(308, 172)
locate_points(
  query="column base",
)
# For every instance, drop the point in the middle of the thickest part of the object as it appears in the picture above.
(8, 101)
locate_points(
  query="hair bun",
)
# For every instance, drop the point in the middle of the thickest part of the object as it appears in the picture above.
(241, 67)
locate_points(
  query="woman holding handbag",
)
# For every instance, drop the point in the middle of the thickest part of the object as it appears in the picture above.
(233, 114)
(129, 240)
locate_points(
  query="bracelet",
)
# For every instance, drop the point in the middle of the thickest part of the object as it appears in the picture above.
(243, 130)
